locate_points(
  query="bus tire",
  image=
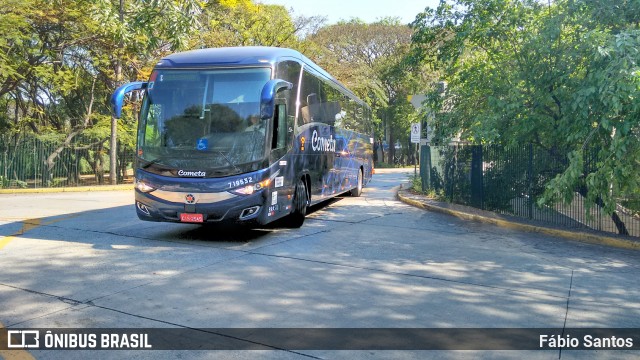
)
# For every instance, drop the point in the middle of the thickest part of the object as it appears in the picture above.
(300, 201)
(357, 191)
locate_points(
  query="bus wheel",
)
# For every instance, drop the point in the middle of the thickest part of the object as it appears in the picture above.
(357, 191)
(296, 218)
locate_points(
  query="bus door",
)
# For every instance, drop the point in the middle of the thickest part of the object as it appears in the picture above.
(283, 181)
(342, 160)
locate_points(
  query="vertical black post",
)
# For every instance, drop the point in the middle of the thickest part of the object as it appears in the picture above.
(476, 176)
(415, 163)
(425, 167)
(530, 181)
(5, 167)
(452, 172)
(113, 140)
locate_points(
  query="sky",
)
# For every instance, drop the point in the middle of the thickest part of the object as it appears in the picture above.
(366, 10)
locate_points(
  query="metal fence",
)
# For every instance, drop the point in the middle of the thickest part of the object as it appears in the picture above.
(32, 162)
(510, 181)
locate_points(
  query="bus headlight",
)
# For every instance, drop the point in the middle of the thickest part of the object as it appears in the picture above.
(250, 189)
(143, 186)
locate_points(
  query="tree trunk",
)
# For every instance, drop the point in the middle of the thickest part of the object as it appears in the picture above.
(122, 162)
(620, 226)
(391, 141)
(113, 155)
(99, 165)
(50, 162)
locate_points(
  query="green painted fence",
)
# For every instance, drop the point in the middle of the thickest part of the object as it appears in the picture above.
(510, 180)
(32, 162)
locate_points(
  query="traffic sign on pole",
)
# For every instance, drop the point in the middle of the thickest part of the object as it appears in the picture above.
(416, 131)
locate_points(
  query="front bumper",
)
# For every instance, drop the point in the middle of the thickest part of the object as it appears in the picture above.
(222, 207)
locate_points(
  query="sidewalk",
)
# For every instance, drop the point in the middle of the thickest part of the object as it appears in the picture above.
(68, 189)
(516, 223)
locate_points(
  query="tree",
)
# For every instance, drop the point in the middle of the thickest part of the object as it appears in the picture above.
(135, 27)
(60, 61)
(245, 23)
(48, 82)
(524, 71)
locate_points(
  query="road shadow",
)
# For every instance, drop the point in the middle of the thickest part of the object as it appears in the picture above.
(121, 222)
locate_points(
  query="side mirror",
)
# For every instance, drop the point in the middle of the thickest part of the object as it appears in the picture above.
(118, 96)
(268, 96)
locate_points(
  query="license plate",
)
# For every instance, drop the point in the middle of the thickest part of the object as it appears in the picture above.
(192, 218)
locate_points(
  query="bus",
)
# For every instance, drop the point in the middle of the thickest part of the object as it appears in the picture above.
(245, 135)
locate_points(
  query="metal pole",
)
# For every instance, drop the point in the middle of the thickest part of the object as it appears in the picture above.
(113, 143)
(415, 163)
(530, 181)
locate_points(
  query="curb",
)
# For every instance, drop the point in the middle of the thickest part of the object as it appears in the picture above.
(572, 235)
(68, 189)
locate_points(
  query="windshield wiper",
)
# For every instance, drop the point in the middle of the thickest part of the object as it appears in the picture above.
(151, 162)
(229, 161)
(222, 154)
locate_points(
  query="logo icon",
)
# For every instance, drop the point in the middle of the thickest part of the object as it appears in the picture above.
(27, 339)
(203, 144)
(190, 199)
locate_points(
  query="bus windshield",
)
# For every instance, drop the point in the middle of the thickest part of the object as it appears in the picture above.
(204, 120)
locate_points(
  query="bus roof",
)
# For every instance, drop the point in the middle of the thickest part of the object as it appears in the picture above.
(240, 56)
(228, 56)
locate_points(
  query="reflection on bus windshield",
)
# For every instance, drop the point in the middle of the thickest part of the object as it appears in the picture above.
(188, 114)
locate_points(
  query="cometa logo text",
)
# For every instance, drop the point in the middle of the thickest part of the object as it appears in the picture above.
(192, 173)
(319, 143)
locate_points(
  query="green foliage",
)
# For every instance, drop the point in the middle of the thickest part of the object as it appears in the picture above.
(563, 75)
(61, 60)
(416, 183)
(431, 193)
(246, 23)
(6, 183)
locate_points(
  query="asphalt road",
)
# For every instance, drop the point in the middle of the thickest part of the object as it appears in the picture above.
(83, 260)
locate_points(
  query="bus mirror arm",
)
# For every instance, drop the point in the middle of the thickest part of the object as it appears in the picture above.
(117, 99)
(268, 96)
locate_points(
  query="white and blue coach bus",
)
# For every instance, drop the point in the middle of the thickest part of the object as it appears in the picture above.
(245, 135)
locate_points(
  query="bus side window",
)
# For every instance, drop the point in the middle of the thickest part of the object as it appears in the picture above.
(279, 140)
